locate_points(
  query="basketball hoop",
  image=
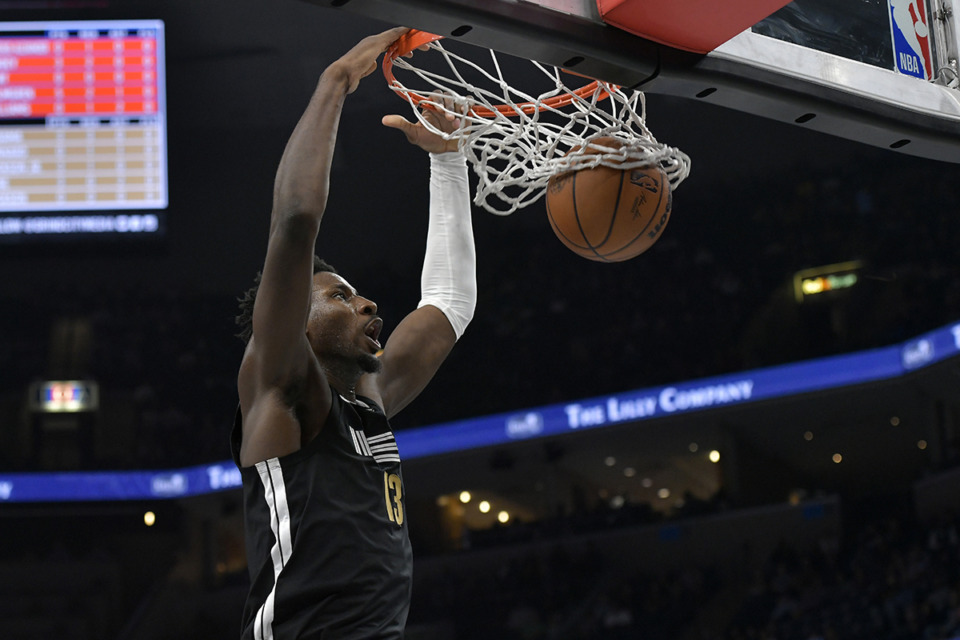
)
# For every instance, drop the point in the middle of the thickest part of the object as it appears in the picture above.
(515, 141)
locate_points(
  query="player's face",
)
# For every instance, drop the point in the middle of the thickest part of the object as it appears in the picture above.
(343, 326)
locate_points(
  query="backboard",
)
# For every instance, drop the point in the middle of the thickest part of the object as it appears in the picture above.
(879, 72)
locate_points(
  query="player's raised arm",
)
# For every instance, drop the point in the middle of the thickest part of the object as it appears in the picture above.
(421, 342)
(279, 356)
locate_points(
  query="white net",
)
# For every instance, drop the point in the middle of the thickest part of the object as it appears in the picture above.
(515, 141)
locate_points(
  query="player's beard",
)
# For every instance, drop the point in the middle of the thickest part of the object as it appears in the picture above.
(370, 363)
(344, 360)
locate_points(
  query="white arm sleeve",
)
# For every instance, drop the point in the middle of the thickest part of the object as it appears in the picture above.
(449, 277)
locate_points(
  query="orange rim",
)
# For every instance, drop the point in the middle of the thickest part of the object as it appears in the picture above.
(416, 38)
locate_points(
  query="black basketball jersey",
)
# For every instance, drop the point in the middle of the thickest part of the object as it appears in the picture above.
(326, 533)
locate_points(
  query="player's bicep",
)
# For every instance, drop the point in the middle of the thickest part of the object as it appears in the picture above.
(283, 297)
(412, 355)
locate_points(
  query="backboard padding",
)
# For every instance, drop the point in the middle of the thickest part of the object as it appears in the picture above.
(690, 25)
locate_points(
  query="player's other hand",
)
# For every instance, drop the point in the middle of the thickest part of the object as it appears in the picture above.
(361, 60)
(423, 137)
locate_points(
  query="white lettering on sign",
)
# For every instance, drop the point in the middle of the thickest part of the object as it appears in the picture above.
(174, 484)
(917, 354)
(580, 416)
(223, 478)
(525, 426)
(631, 409)
(909, 63)
(672, 399)
(669, 400)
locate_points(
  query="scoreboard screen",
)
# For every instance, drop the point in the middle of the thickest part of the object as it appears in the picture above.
(82, 128)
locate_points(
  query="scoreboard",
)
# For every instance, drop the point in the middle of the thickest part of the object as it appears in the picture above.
(82, 126)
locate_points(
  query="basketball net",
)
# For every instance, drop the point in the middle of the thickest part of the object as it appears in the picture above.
(515, 141)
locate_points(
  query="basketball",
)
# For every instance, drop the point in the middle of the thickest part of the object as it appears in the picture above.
(607, 214)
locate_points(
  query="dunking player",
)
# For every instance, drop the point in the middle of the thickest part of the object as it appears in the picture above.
(326, 525)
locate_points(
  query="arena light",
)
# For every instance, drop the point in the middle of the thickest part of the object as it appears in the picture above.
(820, 280)
(64, 396)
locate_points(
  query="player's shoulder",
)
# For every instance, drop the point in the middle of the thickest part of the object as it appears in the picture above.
(368, 391)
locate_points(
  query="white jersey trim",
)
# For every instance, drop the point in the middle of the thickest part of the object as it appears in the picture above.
(382, 447)
(275, 494)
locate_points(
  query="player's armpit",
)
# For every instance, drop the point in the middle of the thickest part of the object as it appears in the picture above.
(279, 416)
(270, 427)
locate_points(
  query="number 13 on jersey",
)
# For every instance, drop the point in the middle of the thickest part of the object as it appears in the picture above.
(393, 496)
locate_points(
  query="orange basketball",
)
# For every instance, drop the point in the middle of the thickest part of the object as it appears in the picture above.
(607, 214)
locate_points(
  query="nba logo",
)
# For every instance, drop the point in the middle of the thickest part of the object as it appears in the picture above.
(911, 38)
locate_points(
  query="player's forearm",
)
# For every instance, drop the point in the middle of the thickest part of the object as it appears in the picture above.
(303, 177)
(449, 277)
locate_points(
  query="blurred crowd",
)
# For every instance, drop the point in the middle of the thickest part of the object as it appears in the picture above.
(603, 515)
(574, 592)
(893, 580)
(887, 577)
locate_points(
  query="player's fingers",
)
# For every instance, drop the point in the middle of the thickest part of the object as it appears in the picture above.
(454, 107)
(431, 115)
(448, 120)
(448, 107)
(382, 41)
(394, 34)
(388, 38)
(398, 122)
(422, 47)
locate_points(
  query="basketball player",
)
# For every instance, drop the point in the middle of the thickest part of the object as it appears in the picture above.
(324, 503)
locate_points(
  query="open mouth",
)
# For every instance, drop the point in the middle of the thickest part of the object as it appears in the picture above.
(373, 329)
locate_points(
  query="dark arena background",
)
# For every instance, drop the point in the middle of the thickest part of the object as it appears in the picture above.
(751, 431)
